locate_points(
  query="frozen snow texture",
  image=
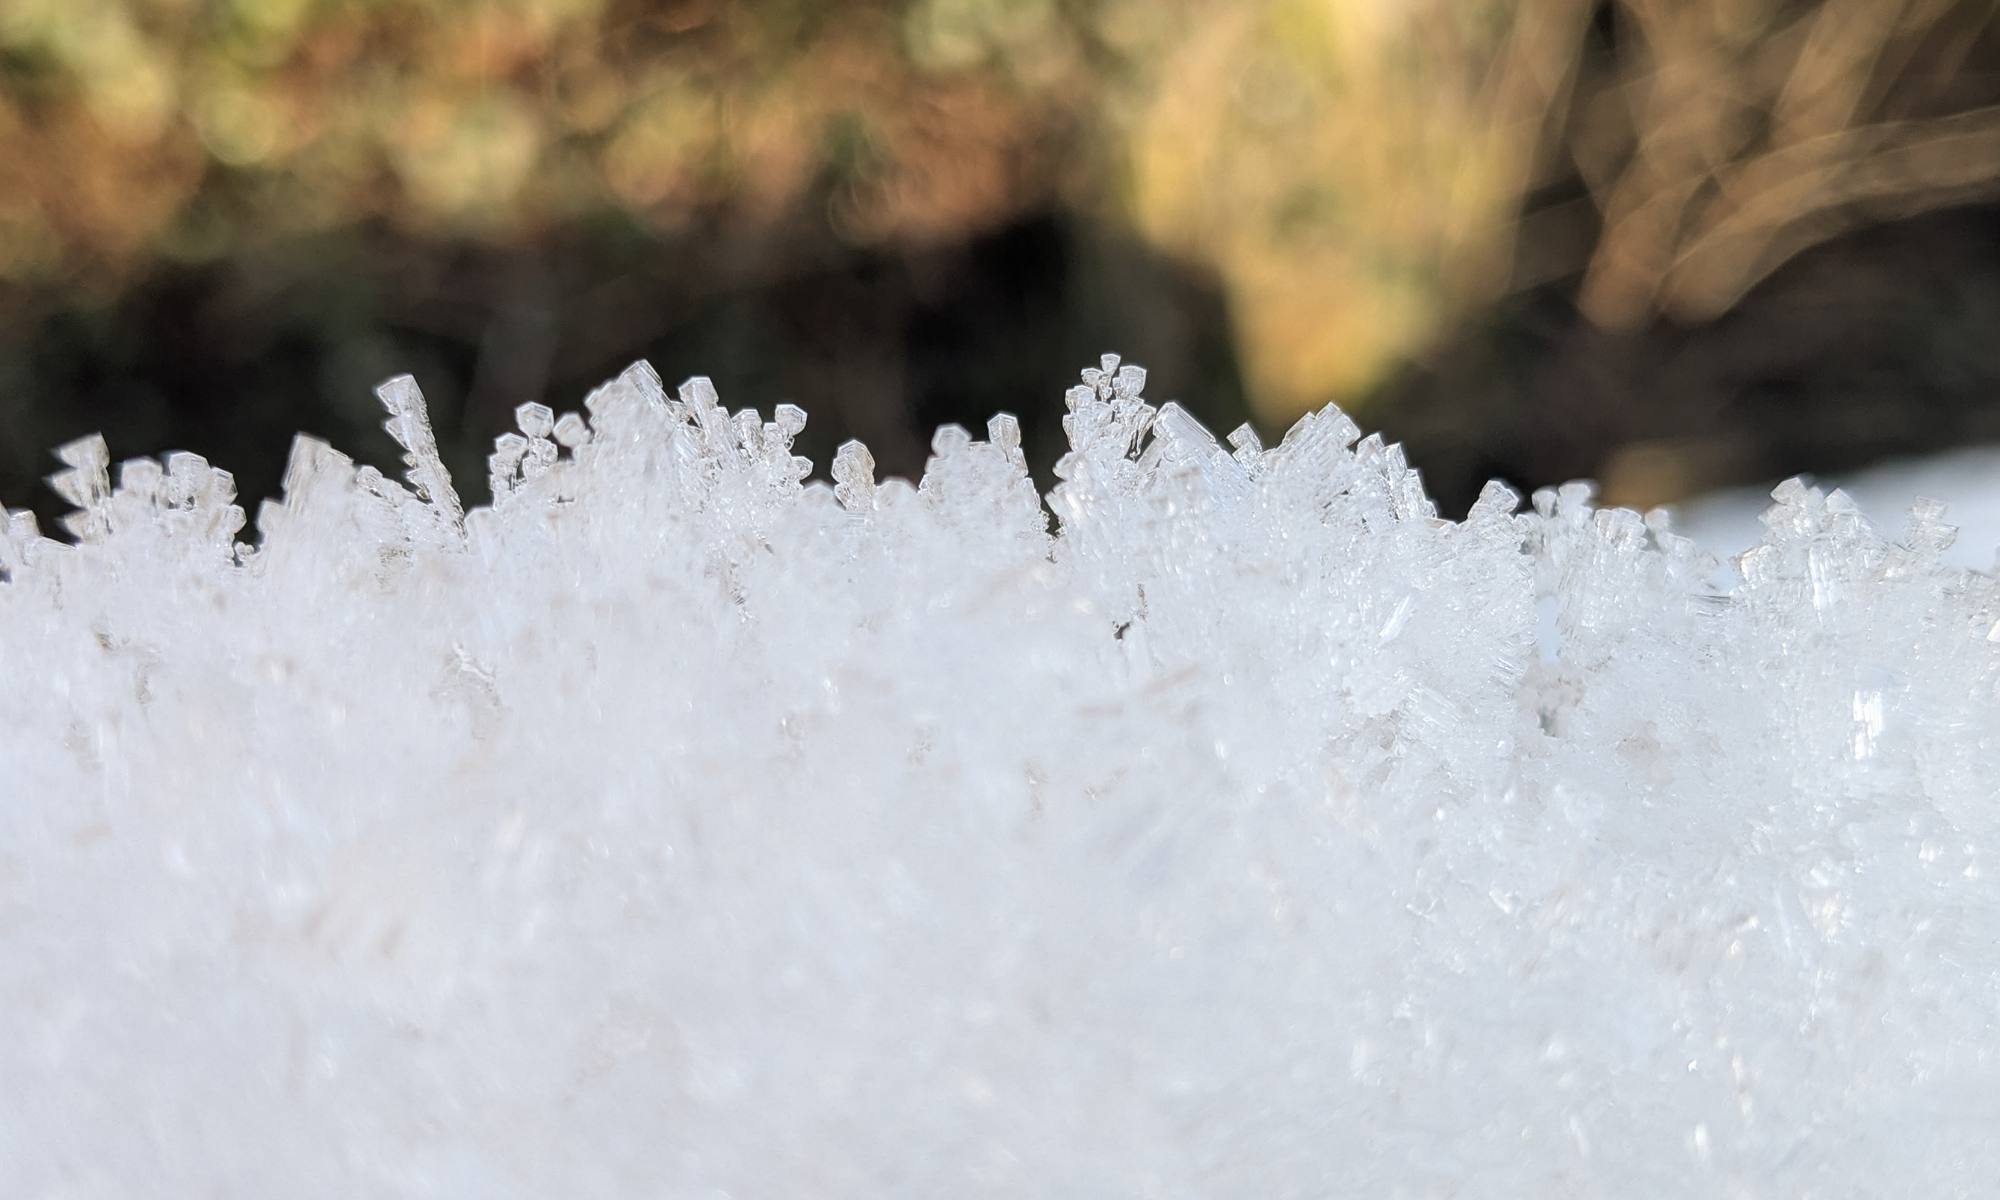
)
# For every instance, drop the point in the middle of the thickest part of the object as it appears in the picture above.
(1726, 521)
(673, 827)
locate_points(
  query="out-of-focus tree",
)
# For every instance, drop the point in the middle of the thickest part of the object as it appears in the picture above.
(1360, 177)
(131, 128)
(1353, 168)
(1356, 169)
(1731, 136)
(1365, 173)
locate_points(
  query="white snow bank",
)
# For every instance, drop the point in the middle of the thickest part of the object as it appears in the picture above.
(672, 829)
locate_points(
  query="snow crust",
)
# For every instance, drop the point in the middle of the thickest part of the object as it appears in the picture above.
(675, 828)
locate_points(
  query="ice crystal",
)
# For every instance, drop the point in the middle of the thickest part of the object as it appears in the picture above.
(1232, 825)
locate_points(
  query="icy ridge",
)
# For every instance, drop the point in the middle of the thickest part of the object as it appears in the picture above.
(675, 826)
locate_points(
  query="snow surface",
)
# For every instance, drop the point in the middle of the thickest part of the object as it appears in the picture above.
(1969, 479)
(672, 828)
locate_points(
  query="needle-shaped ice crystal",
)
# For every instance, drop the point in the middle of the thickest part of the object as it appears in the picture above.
(410, 424)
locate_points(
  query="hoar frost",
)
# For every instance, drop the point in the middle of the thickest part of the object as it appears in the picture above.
(675, 827)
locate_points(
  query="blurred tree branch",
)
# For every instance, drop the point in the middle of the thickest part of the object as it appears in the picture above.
(1749, 145)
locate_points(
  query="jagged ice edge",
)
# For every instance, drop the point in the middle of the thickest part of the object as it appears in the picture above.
(1121, 447)
(1152, 517)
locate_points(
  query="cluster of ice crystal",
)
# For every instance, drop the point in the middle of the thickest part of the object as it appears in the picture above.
(676, 827)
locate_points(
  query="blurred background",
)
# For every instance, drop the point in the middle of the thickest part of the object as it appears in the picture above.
(1670, 244)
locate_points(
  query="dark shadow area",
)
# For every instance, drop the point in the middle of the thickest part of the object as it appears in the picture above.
(230, 359)
(1877, 345)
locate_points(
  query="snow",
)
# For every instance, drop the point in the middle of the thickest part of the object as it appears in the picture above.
(1969, 479)
(1224, 824)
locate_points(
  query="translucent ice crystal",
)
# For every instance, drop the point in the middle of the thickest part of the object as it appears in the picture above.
(1231, 826)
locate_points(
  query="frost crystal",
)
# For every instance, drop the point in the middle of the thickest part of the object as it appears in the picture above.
(673, 826)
